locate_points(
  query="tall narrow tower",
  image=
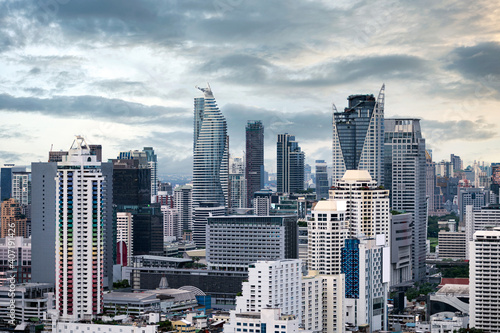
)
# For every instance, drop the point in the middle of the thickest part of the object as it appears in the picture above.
(290, 164)
(358, 136)
(83, 192)
(405, 178)
(211, 152)
(254, 169)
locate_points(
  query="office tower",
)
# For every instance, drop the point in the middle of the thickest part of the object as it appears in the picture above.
(477, 219)
(254, 158)
(470, 196)
(14, 183)
(452, 245)
(290, 165)
(321, 180)
(367, 204)
(358, 136)
(484, 287)
(153, 166)
(171, 225)
(405, 177)
(326, 233)
(261, 202)
(234, 242)
(57, 156)
(430, 181)
(400, 244)
(84, 242)
(131, 183)
(456, 162)
(20, 248)
(13, 221)
(97, 151)
(444, 169)
(200, 220)
(365, 264)
(124, 239)
(276, 282)
(210, 152)
(183, 202)
(307, 173)
(237, 184)
(43, 224)
(147, 230)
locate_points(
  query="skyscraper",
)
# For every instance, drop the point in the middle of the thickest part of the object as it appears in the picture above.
(290, 164)
(405, 177)
(84, 189)
(237, 184)
(254, 169)
(13, 221)
(153, 166)
(321, 180)
(358, 136)
(210, 152)
(183, 202)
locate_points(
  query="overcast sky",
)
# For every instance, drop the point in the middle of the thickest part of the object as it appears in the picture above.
(122, 73)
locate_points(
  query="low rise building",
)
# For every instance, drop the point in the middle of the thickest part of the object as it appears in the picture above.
(268, 319)
(63, 327)
(32, 300)
(451, 245)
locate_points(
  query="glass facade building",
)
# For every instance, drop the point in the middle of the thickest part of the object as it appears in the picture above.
(290, 164)
(211, 152)
(254, 168)
(358, 136)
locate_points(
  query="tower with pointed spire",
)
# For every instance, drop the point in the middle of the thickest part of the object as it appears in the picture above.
(358, 136)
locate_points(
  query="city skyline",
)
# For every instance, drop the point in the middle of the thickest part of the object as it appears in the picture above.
(122, 74)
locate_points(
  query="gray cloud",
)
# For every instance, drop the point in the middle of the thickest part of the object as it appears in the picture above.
(97, 108)
(466, 130)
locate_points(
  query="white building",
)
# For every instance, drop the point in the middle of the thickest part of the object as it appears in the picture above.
(81, 189)
(273, 282)
(171, 225)
(326, 233)
(237, 183)
(21, 187)
(484, 285)
(124, 239)
(312, 301)
(479, 219)
(366, 265)
(367, 204)
(22, 252)
(60, 327)
(183, 202)
(31, 300)
(268, 319)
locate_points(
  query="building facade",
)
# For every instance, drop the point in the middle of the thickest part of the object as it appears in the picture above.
(405, 177)
(234, 242)
(210, 152)
(290, 165)
(400, 245)
(254, 160)
(13, 221)
(183, 202)
(484, 287)
(358, 136)
(84, 192)
(321, 180)
(124, 238)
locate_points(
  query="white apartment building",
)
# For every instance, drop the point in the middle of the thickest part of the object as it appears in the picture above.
(367, 204)
(80, 234)
(278, 283)
(268, 319)
(479, 219)
(326, 233)
(124, 239)
(312, 301)
(484, 306)
(171, 225)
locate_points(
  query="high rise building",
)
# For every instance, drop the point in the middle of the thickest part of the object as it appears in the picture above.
(262, 202)
(234, 242)
(456, 162)
(400, 248)
(367, 204)
(237, 184)
(405, 177)
(200, 220)
(430, 181)
(290, 165)
(210, 152)
(470, 196)
(254, 167)
(171, 223)
(358, 136)
(13, 220)
(20, 248)
(84, 245)
(365, 263)
(43, 222)
(484, 287)
(124, 239)
(321, 180)
(56, 156)
(14, 183)
(477, 219)
(183, 202)
(153, 166)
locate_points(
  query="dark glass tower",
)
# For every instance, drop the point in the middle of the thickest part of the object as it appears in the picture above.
(358, 136)
(290, 165)
(254, 168)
